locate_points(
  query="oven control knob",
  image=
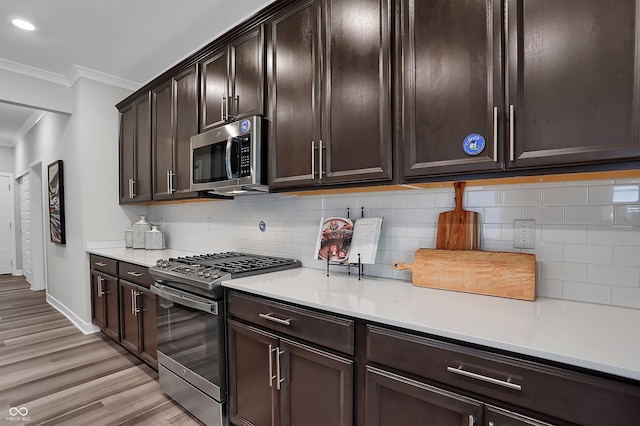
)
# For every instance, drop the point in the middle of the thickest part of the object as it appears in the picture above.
(207, 274)
(200, 272)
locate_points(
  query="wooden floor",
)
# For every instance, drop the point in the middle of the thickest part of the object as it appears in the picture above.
(63, 377)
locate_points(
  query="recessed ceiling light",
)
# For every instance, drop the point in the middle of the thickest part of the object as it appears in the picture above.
(23, 24)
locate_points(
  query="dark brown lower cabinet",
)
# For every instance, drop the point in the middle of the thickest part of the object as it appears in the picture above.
(397, 400)
(277, 381)
(138, 321)
(104, 304)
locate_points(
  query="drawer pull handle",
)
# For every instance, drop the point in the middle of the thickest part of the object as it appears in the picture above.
(276, 320)
(506, 384)
(101, 264)
(134, 274)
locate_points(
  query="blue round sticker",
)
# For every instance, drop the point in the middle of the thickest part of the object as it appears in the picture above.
(245, 125)
(473, 144)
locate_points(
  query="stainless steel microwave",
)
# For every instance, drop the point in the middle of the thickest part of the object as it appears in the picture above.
(228, 160)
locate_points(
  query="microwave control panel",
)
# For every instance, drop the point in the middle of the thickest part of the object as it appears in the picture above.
(244, 158)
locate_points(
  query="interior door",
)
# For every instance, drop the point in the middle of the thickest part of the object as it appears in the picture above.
(6, 206)
(25, 227)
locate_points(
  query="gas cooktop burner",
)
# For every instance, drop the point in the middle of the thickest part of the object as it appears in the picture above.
(206, 271)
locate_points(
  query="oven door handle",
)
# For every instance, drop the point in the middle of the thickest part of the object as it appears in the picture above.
(182, 298)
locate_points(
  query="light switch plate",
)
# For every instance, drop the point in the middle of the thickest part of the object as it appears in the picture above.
(524, 233)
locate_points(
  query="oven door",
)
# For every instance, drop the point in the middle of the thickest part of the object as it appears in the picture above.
(191, 339)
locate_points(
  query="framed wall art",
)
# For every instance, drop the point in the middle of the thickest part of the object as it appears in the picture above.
(56, 202)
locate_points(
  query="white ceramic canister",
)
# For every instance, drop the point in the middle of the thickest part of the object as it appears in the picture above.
(128, 238)
(154, 239)
(139, 228)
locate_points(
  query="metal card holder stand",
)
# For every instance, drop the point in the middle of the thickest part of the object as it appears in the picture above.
(358, 265)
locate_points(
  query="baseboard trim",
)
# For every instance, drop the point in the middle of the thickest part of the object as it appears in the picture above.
(17, 273)
(84, 327)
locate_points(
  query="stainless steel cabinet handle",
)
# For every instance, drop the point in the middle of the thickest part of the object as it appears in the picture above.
(313, 159)
(472, 421)
(135, 295)
(133, 188)
(100, 289)
(271, 375)
(236, 106)
(506, 384)
(131, 194)
(134, 274)
(491, 424)
(495, 133)
(170, 176)
(320, 159)
(133, 303)
(100, 264)
(276, 320)
(512, 133)
(278, 372)
(222, 102)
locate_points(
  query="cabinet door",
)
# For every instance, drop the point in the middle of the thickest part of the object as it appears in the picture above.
(573, 76)
(356, 90)
(294, 107)
(129, 324)
(451, 86)
(112, 307)
(162, 139)
(97, 300)
(127, 153)
(247, 74)
(142, 186)
(392, 400)
(215, 88)
(252, 382)
(148, 327)
(317, 387)
(186, 125)
(494, 416)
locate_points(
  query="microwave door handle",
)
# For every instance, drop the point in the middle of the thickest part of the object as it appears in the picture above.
(228, 158)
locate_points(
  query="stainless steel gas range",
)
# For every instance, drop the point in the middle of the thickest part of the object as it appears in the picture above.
(191, 332)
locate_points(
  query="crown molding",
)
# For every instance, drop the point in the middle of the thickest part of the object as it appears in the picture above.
(7, 143)
(77, 72)
(71, 77)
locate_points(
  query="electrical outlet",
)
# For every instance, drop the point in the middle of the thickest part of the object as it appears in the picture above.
(524, 233)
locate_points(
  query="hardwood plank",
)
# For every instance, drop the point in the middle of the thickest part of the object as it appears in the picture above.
(66, 378)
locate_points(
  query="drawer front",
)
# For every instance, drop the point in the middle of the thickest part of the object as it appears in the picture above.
(323, 329)
(563, 394)
(104, 264)
(135, 273)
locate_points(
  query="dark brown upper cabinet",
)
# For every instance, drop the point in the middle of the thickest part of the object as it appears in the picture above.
(174, 120)
(232, 80)
(135, 151)
(559, 87)
(573, 82)
(451, 78)
(328, 73)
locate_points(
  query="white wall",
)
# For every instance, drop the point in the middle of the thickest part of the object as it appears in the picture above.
(33, 92)
(6, 159)
(87, 143)
(587, 233)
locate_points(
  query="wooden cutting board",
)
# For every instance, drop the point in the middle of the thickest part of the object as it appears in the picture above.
(503, 274)
(458, 229)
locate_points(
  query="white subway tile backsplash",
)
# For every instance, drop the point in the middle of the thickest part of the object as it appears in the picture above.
(483, 199)
(502, 214)
(582, 292)
(566, 196)
(544, 215)
(589, 182)
(580, 253)
(615, 235)
(563, 271)
(587, 235)
(627, 215)
(589, 215)
(570, 234)
(523, 197)
(625, 276)
(626, 256)
(625, 296)
(614, 194)
(549, 288)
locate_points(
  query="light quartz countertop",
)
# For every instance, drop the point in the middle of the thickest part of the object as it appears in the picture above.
(140, 257)
(596, 337)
